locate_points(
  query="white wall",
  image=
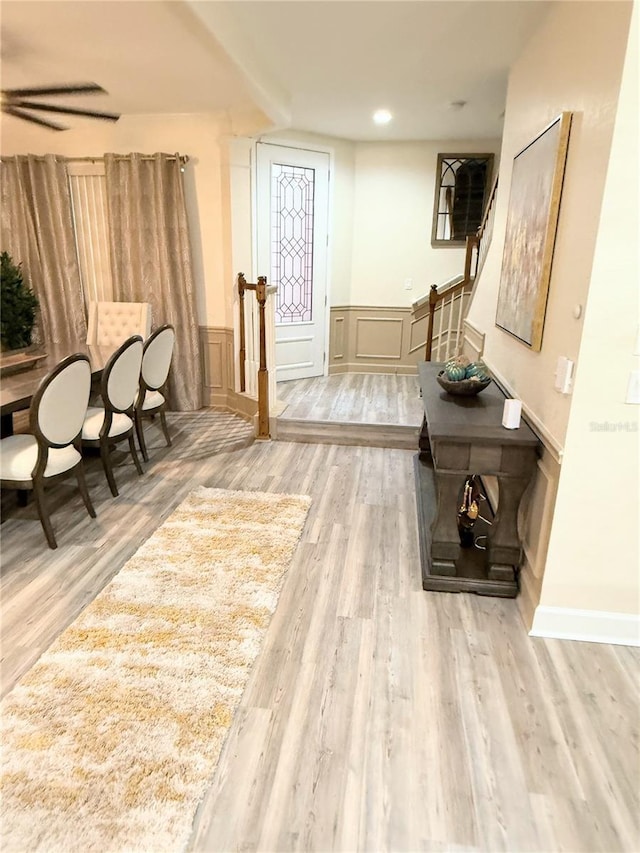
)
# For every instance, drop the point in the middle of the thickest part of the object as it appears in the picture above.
(381, 216)
(393, 214)
(593, 560)
(591, 563)
(554, 73)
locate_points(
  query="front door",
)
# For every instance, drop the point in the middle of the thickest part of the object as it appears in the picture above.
(292, 226)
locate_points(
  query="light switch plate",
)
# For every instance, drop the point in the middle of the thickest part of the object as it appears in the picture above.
(633, 388)
(564, 375)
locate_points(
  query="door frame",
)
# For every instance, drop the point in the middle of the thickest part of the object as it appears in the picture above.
(297, 145)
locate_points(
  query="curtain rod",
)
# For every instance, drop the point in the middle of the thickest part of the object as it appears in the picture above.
(184, 158)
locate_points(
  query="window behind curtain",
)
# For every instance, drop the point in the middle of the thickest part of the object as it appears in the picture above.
(89, 201)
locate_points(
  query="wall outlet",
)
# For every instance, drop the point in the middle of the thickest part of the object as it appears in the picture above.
(408, 284)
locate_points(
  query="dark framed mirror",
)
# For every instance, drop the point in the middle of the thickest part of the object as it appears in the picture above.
(463, 182)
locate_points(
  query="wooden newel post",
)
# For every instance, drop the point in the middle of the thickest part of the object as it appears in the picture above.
(433, 298)
(263, 373)
(243, 354)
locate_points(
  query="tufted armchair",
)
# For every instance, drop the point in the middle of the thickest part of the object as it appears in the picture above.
(111, 323)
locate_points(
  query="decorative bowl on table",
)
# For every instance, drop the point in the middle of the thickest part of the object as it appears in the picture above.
(464, 378)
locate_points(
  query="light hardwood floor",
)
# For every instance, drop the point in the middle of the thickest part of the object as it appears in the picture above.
(378, 717)
(366, 398)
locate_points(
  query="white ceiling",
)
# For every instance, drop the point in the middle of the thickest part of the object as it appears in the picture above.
(316, 66)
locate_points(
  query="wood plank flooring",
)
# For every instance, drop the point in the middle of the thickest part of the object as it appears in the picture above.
(375, 410)
(365, 398)
(378, 717)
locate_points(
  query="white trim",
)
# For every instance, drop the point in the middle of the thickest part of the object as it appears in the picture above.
(284, 141)
(450, 282)
(474, 328)
(253, 165)
(591, 626)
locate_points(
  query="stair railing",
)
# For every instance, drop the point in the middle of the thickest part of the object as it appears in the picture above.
(449, 307)
(248, 354)
(447, 310)
(485, 231)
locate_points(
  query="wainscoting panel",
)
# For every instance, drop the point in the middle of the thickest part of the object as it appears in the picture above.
(216, 353)
(218, 369)
(378, 337)
(372, 339)
(535, 522)
(418, 336)
(337, 345)
(472, 341)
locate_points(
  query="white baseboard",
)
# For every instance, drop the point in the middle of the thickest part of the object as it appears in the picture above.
(591, 626)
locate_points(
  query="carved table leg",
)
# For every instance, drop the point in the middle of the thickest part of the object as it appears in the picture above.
(423, 440)
(445, 542)
(504, 548)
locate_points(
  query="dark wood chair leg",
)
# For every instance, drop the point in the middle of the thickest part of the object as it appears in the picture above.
(140, 434)
(165, 428)
(43, 513)
(105, 456)
(132, 448)
(84, 491)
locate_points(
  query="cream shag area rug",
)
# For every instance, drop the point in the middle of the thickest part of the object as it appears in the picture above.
(111, 739)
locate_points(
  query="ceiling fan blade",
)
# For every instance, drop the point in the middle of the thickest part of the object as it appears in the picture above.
(68, 89)
(18, 113)
(72, 111)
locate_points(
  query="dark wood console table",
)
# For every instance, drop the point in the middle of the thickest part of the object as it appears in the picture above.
(462, 436)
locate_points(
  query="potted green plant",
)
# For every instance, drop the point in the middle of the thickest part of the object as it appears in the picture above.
(18, 305)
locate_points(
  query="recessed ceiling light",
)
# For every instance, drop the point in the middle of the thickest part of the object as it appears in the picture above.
(382, 116)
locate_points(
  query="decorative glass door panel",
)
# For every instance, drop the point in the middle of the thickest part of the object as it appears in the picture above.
(292, 190)
(292, 222)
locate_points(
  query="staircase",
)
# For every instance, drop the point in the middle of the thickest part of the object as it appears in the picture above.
(447, 305)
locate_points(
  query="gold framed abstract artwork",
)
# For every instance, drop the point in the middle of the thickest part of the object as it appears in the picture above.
(532, 219)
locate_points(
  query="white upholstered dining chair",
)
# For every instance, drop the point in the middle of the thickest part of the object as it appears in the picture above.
(107, 425)
(152, 396)
(111, 323)
(51, 451)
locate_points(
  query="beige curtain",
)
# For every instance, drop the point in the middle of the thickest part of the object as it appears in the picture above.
(151, 257)
(37, 231)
